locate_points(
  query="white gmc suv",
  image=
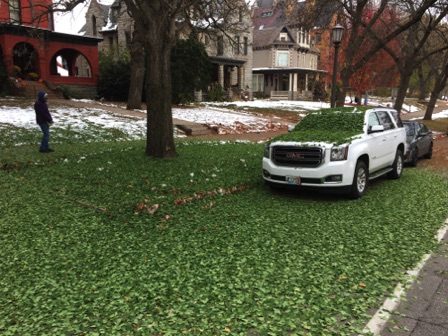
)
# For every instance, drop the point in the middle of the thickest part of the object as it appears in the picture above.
(337, 148)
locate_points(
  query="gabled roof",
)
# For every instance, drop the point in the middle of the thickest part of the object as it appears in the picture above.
(265, 3)
(267, 37)
(109, 22)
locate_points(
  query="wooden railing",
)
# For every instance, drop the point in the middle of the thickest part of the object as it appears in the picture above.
(291, 95)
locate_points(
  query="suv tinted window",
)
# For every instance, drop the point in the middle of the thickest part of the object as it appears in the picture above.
(385, 120)
(397, 118)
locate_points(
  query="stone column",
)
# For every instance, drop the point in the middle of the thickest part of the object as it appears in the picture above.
(221, 75)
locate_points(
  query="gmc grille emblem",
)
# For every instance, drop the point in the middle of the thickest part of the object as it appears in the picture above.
(295, 156)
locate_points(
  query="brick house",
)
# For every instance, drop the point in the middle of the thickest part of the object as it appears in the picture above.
(30, 47)
(230, 54)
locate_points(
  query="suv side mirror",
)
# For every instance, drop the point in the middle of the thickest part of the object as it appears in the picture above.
(376, 128)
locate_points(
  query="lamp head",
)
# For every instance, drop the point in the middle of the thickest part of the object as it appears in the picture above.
(337, 34)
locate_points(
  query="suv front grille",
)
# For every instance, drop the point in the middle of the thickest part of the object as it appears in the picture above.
(297, 156)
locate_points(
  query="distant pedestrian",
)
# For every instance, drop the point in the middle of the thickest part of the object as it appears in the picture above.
(44, 120)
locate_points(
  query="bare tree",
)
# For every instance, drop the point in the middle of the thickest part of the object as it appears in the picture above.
(440, 81)
(417, 44)
(160, 22)
(375, 29)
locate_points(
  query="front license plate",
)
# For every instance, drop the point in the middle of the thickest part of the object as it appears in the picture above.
(293, 180)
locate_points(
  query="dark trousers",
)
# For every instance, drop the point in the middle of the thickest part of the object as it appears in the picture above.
(45, 137)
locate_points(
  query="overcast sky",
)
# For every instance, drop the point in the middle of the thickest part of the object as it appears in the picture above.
(72, 22)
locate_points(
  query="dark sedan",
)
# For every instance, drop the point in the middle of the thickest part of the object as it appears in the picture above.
(419, 140)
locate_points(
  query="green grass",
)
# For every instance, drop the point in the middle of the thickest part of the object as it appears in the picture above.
(438, 125)
(97, 239)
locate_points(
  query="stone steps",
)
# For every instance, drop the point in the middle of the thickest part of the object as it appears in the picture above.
(30, 89)
(193, 129)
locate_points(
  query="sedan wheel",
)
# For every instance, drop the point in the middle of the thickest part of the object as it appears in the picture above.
(414, 157)
(429, 154)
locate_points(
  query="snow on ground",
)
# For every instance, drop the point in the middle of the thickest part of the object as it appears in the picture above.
(216, 115)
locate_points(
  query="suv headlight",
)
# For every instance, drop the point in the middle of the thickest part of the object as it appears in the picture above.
(339, 153)
(267, 150)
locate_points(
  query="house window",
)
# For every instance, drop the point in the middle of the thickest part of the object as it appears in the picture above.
(246, 45)
(283, 37)
(93, 25)
(282, 58)
(258, 83)
(237, 47)
(14, 11)
(111, 42)
(220, 46)
(318, 38)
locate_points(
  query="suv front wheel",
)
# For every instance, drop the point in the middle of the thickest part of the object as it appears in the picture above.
(360, 180)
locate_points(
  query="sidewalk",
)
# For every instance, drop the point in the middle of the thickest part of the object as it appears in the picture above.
(424, 309)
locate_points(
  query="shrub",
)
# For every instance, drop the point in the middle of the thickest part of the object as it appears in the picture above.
(216, 92)
(114, 77)
(33, 76)
(17, 72)
(190, 69)
(5, 84)
(319, 93)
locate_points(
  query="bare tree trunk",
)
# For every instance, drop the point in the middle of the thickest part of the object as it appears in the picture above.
(346, 74)
(439, 86)
(423, 82)
(402, 89)
(137, 70)
(160, 138)
(159, 38)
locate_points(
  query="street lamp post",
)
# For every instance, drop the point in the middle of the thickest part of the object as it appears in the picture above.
(336, 38)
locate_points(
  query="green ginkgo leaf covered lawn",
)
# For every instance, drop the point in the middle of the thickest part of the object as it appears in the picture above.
(97, 239)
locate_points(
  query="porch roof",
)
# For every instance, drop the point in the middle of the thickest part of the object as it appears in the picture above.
(222, 60)
(273, 71)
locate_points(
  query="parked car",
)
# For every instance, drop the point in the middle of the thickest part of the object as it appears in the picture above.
(419, 142)
(339, 149)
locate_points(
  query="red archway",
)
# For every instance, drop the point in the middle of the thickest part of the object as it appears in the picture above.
(43, 46)
(25, 60)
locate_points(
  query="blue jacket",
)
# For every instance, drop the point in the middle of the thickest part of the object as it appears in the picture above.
(40, 107)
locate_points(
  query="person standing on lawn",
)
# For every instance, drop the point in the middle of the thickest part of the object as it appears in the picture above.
(44, 120)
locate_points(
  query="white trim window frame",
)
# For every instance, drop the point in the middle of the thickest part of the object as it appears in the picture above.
(282, 58)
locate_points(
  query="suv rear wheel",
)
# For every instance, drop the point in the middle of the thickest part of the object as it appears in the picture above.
(397, 167)
(360, 180)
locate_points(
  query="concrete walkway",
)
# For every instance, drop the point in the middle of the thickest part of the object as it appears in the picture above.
(187, 127)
